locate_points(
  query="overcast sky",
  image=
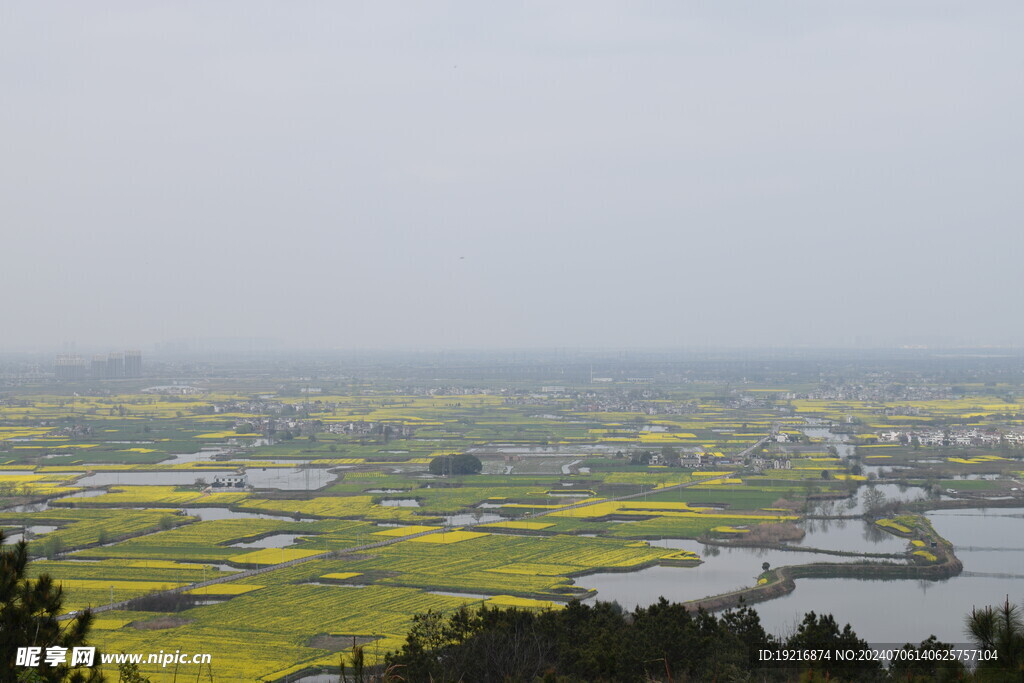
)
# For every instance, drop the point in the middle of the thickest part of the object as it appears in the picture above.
(515, 174)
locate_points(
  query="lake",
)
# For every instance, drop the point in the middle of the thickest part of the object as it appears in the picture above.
(989, 543)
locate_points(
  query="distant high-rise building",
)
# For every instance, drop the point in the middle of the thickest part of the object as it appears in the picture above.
(102, 366)
(115, 365)
(133, 364)
(69, 367)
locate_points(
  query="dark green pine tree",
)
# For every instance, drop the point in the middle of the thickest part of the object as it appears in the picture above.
(1000, 631)
(28, 618)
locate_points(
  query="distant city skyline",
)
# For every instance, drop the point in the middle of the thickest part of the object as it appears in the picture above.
(112, 365)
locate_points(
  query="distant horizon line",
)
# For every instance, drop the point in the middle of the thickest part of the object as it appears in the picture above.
(279, 350)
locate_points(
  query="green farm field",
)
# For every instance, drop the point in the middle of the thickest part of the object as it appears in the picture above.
(569, 487)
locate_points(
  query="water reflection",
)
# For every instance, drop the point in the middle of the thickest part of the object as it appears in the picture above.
(889, 611)
(988, 543)
(207, 514)
(849, 535)
(271, 541)
(158, 478)
(29, 533)
(723, 569)
(285, 478)
(45, 505)
(206, 453)
(470, 518)
(873, 496)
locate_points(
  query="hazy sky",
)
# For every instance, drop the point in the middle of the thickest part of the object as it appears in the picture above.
(515, 174)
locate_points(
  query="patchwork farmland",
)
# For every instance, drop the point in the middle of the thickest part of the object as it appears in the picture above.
(247, 519)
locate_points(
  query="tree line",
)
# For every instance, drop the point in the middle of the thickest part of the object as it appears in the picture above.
(600, 642)
(666, 642)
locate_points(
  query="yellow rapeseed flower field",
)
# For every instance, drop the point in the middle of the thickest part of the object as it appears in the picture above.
(341, 576)
(512, 601)
(273, 555)
(525, 526)
(406, 530)
(893, 524)
(224, 589)
(447, 537)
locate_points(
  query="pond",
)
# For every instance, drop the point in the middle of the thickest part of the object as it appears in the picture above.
(219, 567)
(823, 433)
(249, 442)
(271, 541)
(400, 503)
(468, 596)
(34, 532)
(285, 478)
(153, 478)
(843, 450)
(571, 450)
(471, 518)
(879, 470)
(988, 544)
(207, 514)
(730, 569)
(45, 505)
(855, 505)
(289, 478)
(849, 535)
(205, 453)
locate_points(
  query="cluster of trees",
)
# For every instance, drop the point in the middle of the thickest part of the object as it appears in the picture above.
(460, 463)
(665, 642)
(28, 618)
(640, 457)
